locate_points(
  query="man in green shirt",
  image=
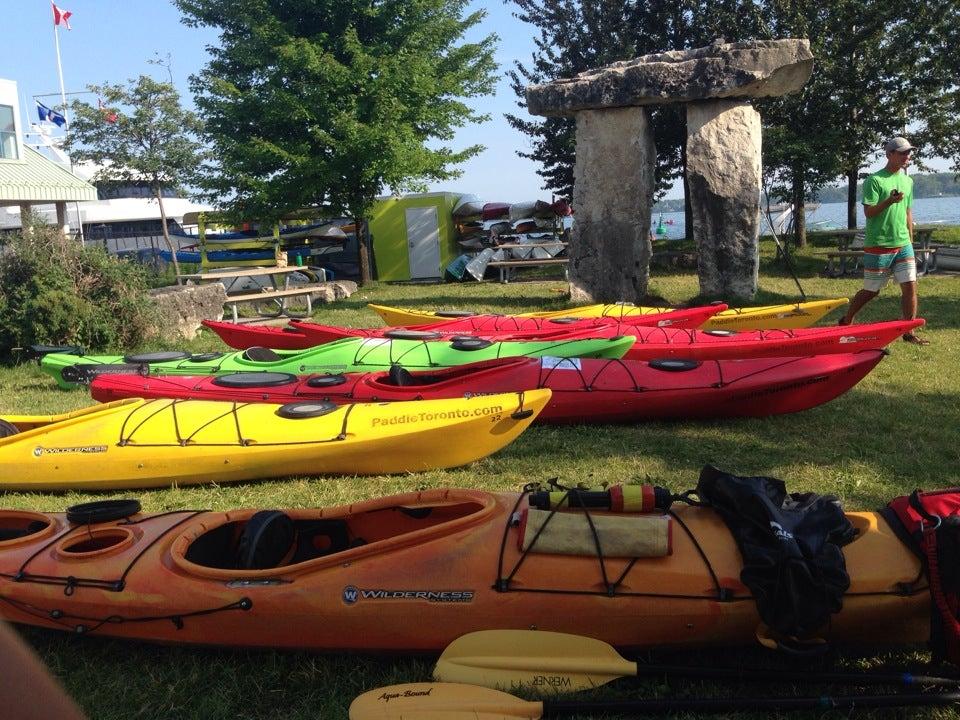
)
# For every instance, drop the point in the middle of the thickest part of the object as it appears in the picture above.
(888, 246)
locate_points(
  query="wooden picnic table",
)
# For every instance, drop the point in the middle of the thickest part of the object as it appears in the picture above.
(839, 260)
(277, 296)
(229, 278)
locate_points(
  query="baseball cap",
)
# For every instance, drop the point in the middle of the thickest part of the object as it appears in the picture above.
(897, 144)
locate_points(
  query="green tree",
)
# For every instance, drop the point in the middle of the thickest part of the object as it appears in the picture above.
(880, 69)
(799, 149)
(141, 134)
(322, 103)
(938, 104)
(574, 36)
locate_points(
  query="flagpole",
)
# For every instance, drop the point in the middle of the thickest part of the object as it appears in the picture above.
(66, 115)
(63, 91)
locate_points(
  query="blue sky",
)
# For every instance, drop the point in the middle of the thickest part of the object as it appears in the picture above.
(112, 40)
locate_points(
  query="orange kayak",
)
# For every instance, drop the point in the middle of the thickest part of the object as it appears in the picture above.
(364, 576)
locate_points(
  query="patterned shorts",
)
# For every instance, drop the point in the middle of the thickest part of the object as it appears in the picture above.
(879, 263)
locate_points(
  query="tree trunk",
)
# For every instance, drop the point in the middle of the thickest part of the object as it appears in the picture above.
(852, 178)
(363, 255)
(799, 210)
(687, 207)
(166, 235)
(800, 223)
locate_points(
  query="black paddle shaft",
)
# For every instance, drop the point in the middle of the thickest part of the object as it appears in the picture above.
(904, 679)
(720, 705)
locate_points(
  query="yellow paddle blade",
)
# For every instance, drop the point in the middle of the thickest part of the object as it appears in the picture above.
(441, 701)
(543, 661)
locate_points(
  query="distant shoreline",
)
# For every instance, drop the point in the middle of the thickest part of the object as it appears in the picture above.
(925, 187)
(676, 204)
(943, 211)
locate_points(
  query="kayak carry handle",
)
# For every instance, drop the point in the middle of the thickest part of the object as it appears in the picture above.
(619, 498)
(37, 352)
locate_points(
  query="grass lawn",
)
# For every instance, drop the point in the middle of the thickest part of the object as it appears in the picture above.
(894, 432)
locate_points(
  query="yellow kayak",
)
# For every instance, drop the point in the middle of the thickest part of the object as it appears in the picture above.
(767, 317)
(152, 443)
(774, 317)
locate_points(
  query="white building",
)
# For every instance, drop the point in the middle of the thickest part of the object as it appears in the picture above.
(122, 217)
(29, 180)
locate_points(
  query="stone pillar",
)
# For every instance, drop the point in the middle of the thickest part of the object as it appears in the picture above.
(613, 190)
(62, 219)
(723, 159)
(723, 173)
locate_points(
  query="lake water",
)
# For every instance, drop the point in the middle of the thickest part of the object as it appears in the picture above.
(834, 215)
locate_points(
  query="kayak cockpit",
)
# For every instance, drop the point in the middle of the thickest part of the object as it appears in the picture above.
(252, 543)
(399, 376)
(18, 527)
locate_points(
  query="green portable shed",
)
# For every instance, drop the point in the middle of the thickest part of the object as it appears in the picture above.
(413, 236)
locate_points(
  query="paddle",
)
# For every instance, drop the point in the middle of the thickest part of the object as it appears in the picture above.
(566, 663)
(453, 701)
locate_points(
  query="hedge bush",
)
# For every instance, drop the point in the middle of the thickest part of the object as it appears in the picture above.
(55, 291)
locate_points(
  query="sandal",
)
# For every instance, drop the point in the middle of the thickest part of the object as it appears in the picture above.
(911, 338)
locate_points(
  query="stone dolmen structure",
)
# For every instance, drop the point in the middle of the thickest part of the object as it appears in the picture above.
(614, 171)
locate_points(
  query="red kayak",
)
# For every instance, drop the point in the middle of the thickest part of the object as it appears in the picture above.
(303, 335)
(592, 391)
(654, 343)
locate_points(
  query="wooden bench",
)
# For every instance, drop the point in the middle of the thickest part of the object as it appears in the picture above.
(507, 267)
(850, 247)
(278, 296)
(926, 261)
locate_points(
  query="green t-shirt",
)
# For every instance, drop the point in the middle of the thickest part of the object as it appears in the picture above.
(889, 228)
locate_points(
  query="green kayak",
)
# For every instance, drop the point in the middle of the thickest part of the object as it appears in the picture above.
(348, 355)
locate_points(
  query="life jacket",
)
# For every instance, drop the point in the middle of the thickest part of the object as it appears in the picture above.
(791, 547)
(929, 524)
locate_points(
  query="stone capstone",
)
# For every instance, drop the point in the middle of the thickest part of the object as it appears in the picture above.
(723, 177)
(180, 308)
(757, 68)
(613, 192)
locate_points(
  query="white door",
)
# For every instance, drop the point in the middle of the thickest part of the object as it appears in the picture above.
(423, 242)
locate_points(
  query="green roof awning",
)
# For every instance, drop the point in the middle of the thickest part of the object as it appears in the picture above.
(35, 179)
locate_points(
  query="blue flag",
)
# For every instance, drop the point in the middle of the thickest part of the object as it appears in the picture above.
(47, 115)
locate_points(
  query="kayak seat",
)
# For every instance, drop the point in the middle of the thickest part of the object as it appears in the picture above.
(14, 533)
(272, 539)
(268, 540)
(260, 354)
(401, 377)
(7, 429)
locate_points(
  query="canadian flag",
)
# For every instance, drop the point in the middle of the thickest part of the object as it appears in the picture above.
(61, 17)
